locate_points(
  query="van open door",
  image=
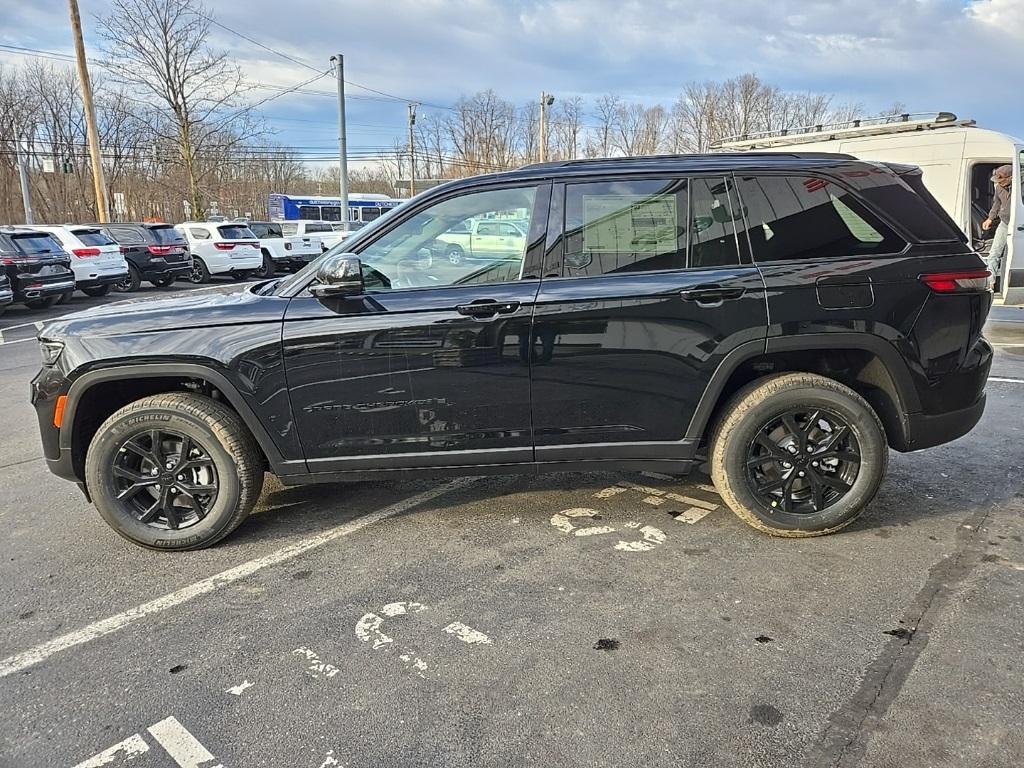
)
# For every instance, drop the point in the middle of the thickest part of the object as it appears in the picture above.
(1012, 283)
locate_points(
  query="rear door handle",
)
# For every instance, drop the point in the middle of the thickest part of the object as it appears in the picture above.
(487, 308)
(712, 294)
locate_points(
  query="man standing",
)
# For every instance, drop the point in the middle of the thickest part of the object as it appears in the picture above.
(1002, 178)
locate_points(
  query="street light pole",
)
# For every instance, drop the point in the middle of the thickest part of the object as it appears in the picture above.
(98, 182)
(339, 61)
(546, 100)
(412, 150)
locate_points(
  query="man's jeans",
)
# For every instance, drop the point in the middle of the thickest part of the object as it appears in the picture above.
(997, 250)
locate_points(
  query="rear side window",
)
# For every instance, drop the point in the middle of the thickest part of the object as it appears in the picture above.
(266, 231)
(127, 236)
(912, 206)
(199, 233)
(647, 225)
(93, 237)
(36, 244)
(166, 235)
(290, 229)
(236, 232)
(793, 218)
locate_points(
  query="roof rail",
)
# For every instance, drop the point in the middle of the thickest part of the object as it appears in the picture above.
(683, 157)
(868, 126)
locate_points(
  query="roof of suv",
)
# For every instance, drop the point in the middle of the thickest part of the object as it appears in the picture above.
(720, 161)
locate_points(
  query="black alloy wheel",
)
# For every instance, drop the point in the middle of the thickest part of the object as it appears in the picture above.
(803, 461)
(164, 479)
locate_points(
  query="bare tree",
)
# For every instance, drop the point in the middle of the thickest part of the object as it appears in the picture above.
(567, 127)
(160, 48)
(606, 109)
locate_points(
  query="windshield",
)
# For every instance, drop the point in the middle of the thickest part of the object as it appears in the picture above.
(167, 234)
(236, 232)
(92, 237)
(36, 244)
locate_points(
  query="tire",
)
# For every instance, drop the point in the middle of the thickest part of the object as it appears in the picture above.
(163, 282)
(46, 303)
(454, 254)
(199, 274)
(131, 283)
(98, 291)
(751, 444)
(267, 269)
(225, 458)
(65, 297)
(240, 276)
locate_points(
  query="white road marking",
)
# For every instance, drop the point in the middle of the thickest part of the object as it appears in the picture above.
(316, 665)
(594, 530)
(400, 608)
(707, 488)
(654, 501)
(692, 515)
(16, 341)
(181, 745)
(645, 489)
(467, 634)
(693, 502)
(652, 538)
(994, 344)
(1006, 380)
(368, 629)
(131, 748)
(607, 493)
(236, 690)
(40, 653)
(330, 760)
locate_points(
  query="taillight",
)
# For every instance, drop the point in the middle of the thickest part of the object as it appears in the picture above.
(957, 282)
(159, 250)
(86, 253)
(223, 246)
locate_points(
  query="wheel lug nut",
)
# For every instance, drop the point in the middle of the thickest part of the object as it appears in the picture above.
(814, 463)
(801, 473)
(182, 477)
(786, 464)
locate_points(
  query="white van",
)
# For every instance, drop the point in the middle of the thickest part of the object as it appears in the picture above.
(957, 160)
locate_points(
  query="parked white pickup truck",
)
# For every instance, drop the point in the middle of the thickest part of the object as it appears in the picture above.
(281, 252)
(322, 229)
(483, 239)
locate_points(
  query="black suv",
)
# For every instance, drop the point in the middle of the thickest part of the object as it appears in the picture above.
(154, 251)
(38, 268)
(788, 318)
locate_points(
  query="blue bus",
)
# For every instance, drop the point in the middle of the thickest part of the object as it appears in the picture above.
(362, 207)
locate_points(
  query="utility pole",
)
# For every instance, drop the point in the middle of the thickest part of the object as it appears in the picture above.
(98, 182)
(26, 198)
(546, 100)
(339, 62)
(412, 149)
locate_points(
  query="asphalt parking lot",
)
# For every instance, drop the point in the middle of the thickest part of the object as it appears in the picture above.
(564, 620)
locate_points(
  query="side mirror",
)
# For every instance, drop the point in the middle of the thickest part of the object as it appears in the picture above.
(339, 275)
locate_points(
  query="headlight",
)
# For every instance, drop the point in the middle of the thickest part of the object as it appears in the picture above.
(50, 350)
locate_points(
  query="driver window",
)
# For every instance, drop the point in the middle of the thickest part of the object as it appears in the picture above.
(441, 245)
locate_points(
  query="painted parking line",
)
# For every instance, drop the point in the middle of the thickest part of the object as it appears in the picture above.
(40, 653)
(182, 746)
(130, 748)
(1006, 380)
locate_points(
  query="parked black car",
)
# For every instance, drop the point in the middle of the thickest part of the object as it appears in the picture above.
(154, 251)
(788, 318)
(38, 268)
(6, 293)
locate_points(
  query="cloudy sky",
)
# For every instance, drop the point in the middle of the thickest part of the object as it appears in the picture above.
(964, 56)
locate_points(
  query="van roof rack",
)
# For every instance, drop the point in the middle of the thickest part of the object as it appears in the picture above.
(868, 126)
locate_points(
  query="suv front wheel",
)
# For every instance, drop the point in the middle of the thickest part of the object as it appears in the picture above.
(174, 471)
(798, 455)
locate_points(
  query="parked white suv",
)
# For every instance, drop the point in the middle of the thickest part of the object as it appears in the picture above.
(284, 253)
(322, 229)
(221, 248)
(96, 260)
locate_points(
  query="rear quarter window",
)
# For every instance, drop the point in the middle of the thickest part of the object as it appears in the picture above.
(794, 218)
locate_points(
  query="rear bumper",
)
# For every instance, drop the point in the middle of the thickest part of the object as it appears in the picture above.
(928, 430)
(32, 290)
(95, 282)
(178, 269)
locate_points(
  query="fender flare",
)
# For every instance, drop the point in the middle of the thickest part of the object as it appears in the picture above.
(175, 370)
(907, 398)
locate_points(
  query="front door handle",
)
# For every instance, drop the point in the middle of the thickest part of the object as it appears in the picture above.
(487, 308)
(711, 294)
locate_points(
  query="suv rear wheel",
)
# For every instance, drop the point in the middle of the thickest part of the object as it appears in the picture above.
(174, 471)
(131, 282)
(266, 268)
(199, 273)
(97, 291)
(798, 455)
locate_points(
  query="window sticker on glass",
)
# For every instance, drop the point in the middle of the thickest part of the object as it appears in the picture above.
(629, 224)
